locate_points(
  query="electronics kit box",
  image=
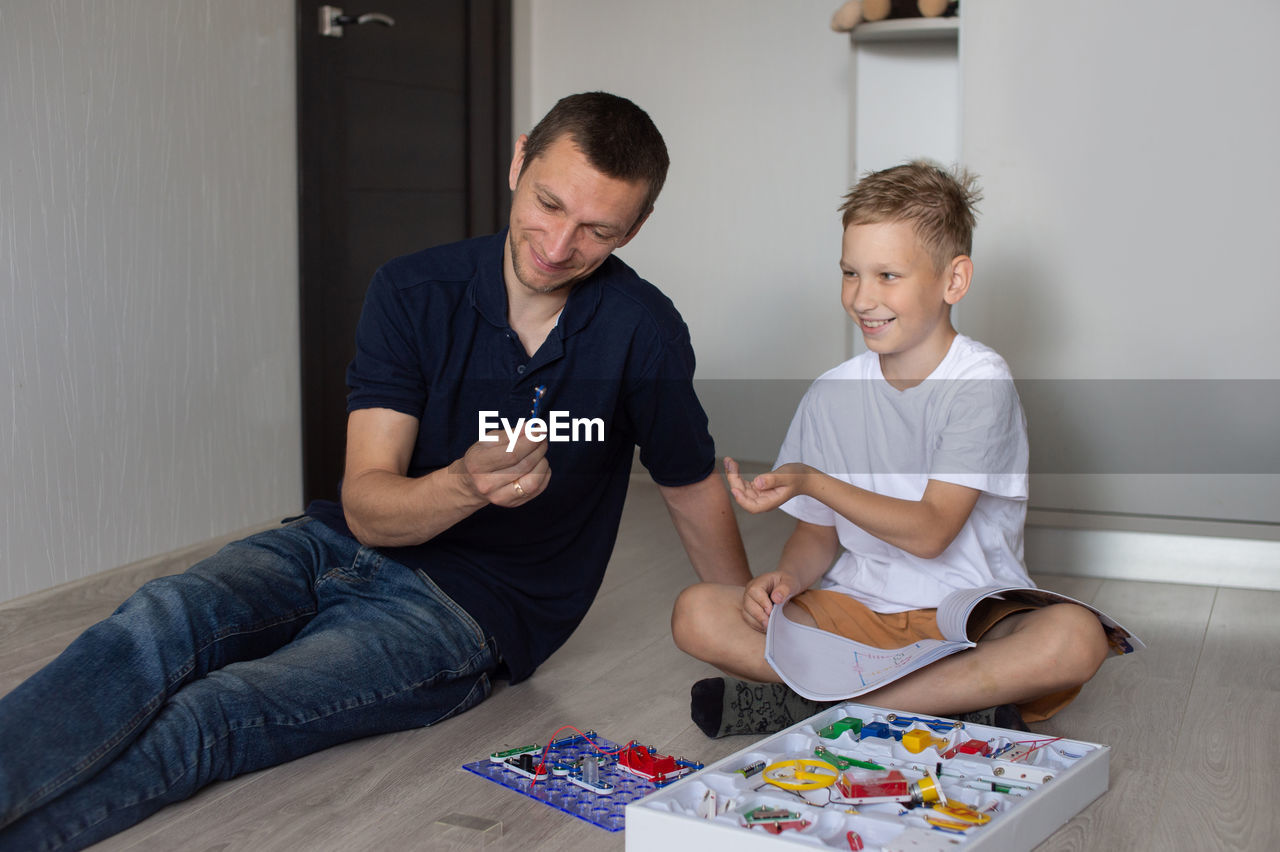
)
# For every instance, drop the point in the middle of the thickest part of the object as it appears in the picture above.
(975, 787)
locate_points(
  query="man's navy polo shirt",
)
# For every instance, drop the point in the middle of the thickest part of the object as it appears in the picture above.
(433, 342)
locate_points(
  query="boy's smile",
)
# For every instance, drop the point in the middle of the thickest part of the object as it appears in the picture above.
(901, 302)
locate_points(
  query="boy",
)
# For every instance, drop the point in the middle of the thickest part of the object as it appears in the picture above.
(909, 464)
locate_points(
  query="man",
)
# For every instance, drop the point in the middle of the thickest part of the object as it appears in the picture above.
(499, 388)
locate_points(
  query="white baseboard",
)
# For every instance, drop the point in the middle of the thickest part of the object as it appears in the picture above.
(1154, 556)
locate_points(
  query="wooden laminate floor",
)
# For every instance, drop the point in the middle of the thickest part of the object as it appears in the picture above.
(1193, 721)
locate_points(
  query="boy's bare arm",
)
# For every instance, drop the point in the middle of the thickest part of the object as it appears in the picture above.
(924, 527)
(806, 556)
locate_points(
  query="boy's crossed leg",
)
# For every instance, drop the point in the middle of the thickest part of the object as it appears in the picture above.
(1050, 651)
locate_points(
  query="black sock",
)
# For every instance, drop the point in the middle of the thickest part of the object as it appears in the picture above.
(706, 704)
(721, 706)
(1006, 716)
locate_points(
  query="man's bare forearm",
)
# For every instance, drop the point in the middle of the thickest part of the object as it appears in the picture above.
(703, 517)
(385, 509)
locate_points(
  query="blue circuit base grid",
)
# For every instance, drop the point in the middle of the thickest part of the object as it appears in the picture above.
(608, 812)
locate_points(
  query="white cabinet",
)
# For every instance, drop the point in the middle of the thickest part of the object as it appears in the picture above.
(904, 93)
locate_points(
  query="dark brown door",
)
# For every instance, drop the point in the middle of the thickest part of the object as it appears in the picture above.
(404, 139)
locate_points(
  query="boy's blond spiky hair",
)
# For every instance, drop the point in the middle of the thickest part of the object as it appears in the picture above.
(940, 205)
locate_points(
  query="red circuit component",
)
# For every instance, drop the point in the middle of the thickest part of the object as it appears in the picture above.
(978, 747)
(644, 763)
(866, 785)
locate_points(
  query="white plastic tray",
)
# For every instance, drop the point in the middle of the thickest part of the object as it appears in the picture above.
(1056, 780)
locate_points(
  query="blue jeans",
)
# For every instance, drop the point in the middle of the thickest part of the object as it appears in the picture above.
(278, 646)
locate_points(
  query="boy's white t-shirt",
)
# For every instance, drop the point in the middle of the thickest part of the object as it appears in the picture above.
(964, 424)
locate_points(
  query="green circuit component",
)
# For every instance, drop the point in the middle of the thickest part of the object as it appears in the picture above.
(835, 729)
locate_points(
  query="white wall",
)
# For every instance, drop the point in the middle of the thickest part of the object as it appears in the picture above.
(148, 229)
(752, 99)
(148, 312)
(1129, 156)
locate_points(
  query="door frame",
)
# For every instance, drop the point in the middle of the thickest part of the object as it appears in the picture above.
(321, 215)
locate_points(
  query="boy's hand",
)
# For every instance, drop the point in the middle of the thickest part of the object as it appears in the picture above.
(762, 594)
(768, 490)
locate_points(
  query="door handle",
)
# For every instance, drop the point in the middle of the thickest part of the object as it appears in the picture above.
(332, 20)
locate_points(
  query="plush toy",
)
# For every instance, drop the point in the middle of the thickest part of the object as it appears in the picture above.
(855, 12)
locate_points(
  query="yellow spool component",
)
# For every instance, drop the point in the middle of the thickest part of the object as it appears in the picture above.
(800, 774)
(927, 790)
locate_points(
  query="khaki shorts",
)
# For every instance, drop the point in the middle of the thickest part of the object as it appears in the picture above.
(840, 614)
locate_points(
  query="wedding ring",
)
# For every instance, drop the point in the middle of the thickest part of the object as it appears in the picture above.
(519, 490)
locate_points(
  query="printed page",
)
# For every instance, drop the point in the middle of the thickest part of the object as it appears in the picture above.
(822, 666)
(953, 613)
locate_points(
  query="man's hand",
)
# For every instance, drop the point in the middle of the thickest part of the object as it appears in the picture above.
(385, 507)
(768, 490)
(764, 593)
(504, 478)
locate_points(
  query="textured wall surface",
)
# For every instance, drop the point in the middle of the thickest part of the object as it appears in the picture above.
(148, 279)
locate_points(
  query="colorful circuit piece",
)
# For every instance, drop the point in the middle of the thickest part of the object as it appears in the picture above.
(580, 775)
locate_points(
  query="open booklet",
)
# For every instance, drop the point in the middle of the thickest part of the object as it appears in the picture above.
(825, 667)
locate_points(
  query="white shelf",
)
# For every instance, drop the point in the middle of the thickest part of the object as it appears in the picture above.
(907, 29)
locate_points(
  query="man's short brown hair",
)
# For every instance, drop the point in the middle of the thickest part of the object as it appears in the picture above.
(616, 136)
